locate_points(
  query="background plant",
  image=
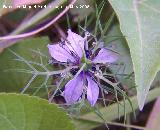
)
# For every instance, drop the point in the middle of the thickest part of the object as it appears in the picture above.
(25, 68)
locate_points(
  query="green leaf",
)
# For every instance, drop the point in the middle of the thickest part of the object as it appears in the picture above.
(139, 22)
(22, 112)
(123, 71)
(12, 80)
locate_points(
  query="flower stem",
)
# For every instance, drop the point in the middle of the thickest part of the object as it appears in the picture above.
(80, 70)
(57, 72)
(106, 80)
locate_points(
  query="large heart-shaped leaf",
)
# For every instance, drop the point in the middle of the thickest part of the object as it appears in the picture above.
(33, 50)
(139, 21)
(22, 112)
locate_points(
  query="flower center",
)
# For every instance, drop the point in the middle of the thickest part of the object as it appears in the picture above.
(85, 60)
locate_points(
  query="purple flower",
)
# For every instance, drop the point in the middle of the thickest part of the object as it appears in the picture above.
(74, 51)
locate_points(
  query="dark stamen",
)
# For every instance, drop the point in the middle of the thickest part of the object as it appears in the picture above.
(87, 54)
(69, 61)
(53, 61)
(74, 71)
(63, 45)
(73, 53)
(94, 68)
